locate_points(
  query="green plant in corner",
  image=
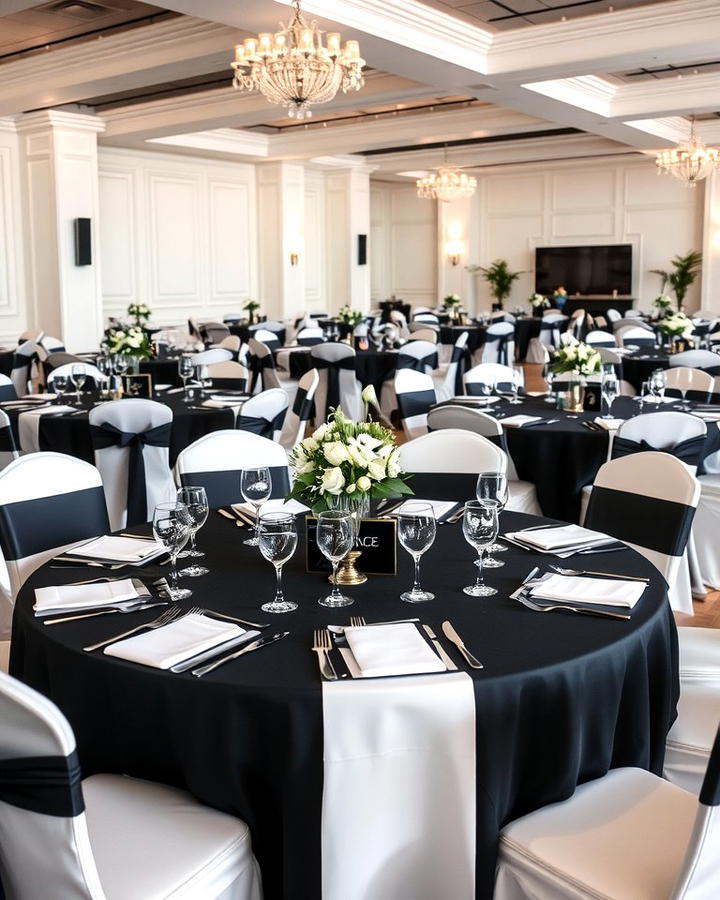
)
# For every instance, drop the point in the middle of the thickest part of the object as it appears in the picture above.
(500, 279)
(684, 272)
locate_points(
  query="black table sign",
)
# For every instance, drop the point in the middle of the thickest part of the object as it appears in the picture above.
(138, 386)
(591, 403)
(377, 540)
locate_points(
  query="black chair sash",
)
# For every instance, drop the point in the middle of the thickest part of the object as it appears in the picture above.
(701, 328)
(485, 389)
(223, 488)
(260, 425)
(689, 451)
(554, 329)
(50, 785)
(333, 367)
(659, 525)
(7, 440)
(8, 392)
(417, 364)
(710, 790)
(257, 365)
(303, 408)
(640, 342)
(610, 344)
(32, 526)
(229, 384)
(711, 445)
(461, 359)
(310, 341)
(415, 403)
(443, 485)
(502, 341)
(108, 435)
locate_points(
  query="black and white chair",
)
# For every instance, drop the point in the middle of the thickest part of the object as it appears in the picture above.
(94, 378)
(264, 414)
(690, 740)
(641, 338)
(415, 392)
(548, 340)
(428, 318)
(232, 343)
(697, 359)
(418, 355)
(310, 337)
(302, 410)
(8, 447)
(269, 338)
(338, 383)
(427, 335)
(683, 379)
(499, 345)
(648, 500)
(216, 460)
(600, 339)
(214, 332)
(483, 379)
(522, 496)
(25, 355)
(89, 839)
(612, 315)
(445, 464)
(228, 375)
(131, 441)
(627, 835)
(7, 388)
(448, 378)
(261, 365)
(51, 344)
(210, 358)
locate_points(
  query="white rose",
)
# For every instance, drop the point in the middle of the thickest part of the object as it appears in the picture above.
(306, 467)
(333, 481)
(376, 469)
(357, 457)
(309, 445)
(393, 463)
(364, 484)
(350, 489)
(369, 396)
(367, 440)
(385, 451)
(319, 433)
(336, 453)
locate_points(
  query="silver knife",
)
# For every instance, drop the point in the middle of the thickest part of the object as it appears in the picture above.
(453, 636)
(438, 646)
(262, 642)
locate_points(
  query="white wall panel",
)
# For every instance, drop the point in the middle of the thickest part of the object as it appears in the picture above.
(591, 189)
(514, 193)
(314, 242)
(117, 237)
(229, 245)
(175, 240)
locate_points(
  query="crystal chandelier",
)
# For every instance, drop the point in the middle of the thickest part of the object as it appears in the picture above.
(294, 69)
(446, 183)
(690, 162)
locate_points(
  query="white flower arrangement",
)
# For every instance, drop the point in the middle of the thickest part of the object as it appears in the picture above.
(663, 305)
(353, 460)
(577, 357)
(129, 341)
(349, 316)
(677, 325)
(538, 301)
(139, 311)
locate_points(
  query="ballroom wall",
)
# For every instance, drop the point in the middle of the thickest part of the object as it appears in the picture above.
(13, 312)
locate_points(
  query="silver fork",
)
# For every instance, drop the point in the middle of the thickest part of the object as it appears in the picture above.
(526, 601)
(322, 646)
(563, 571)
(170, 615)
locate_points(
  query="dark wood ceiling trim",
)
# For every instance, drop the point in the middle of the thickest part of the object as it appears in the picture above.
(469, 142)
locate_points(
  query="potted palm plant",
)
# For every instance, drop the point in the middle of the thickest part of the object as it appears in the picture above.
(500, 279)
(685, 270)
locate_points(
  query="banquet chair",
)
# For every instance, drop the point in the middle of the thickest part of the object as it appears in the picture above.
(31, 335)
(131, 442)
(419, 355)
(338, 386)
(522, 496)
(489, 374)
(25, 353)
(106, 836)
(310, 337)
(216, 460)
(428, 318)
(600, 339)
(301, 412)
(445, 464)
(612, 315)
(7, 389)
(499, 345)
(264, 414)
(214, 332)
(549, 337)
(415, 392)
(94, 378)
(51, 344)
(697, 359)
(228, 375)
(8, 448)
(682, 378)
(261, 365)
(648, 500)
(448, 379)
(427, 335)
(277, 329)
(635, 337)
(232, 317)
(269, 338)
(210, 357)
(232, 343)
(624, 836)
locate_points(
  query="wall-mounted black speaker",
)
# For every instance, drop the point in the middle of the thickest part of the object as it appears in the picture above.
(362, 249)
(83, 243)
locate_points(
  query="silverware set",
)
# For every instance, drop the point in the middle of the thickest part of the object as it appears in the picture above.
(550, 606)
(322, 645)
(170, 615)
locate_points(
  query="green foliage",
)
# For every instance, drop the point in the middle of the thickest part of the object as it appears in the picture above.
(500, 279)
(685, 270)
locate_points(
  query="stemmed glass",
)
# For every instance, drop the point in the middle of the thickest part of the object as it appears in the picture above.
(492, 487)
(120, 364)
(78, 376)
(171, 526)
(277, 538)
(657, 385)
(196, 501)
(480, 528)
(516, 383)
(60, 383)
(104, 365)
(185, 371)
(335, 538)
(256, 488)
(416, 533)
(550, 378)
(609, 391)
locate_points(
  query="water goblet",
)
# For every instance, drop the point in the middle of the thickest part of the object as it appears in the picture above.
(185, 371)
(60, 383)
(196, 501)
(335, 538)
(416, 533)
(171, 526)
(256, 488)
(657, 385)
(277, 539)
(104, 365)
(517, 382)
(480, 528)
(609, 391)
(78, 375)
(493, 487)
(120, 364)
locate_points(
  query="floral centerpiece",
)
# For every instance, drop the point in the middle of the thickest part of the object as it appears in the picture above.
(349, 316)
(577, 360)
(452, 301)
(140, 312)
(560, 297)
(129, 341)
(678, 327)
(662, 305)
(539, 302)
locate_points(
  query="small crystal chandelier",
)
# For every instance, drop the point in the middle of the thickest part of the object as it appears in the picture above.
(294, 69)
(446, 183)
(690, 162)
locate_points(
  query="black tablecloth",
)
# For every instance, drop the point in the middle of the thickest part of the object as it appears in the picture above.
(371, 366)
(639, 366)
(476, 335)
(163, 371)
(560, 701)
(525, 330)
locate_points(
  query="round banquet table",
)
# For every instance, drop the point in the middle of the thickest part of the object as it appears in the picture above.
(71, 433)
(371, 366)
(639, 365)
(476, 335)
(560, 701)
(162, 371)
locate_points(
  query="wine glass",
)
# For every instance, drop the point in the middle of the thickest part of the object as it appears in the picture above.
(60, 383)
(277, 539)
(78, 375)
(335, 538)
(492, 487)
(120, 364)
(196, 501)
(480, 528)
(550, 379)
(609, 391)
(185, 371)
(416, 533)
(171, 526)
(516, 383)
(255, 487)
(657, 385)
(104, 365)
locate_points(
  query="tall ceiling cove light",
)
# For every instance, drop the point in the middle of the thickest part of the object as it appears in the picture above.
(689, 162)
(293, 67)
(446, 183)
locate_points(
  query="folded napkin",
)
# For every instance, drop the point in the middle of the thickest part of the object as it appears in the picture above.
(182, 639)
(536, 393)
(600, 591)
(117, 549)
(484, 401)
(223, 403)
(71, 597)
(608, 424)
(440, 508)
(391, 650)
(519, 421)
(38, 398)
(294, 507)
(29, 426)
(560, 537)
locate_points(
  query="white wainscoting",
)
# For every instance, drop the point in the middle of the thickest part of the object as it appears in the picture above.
(314, 230)
(177, 233)
(13, 299)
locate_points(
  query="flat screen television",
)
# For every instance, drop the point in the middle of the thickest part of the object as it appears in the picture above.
(584, 270)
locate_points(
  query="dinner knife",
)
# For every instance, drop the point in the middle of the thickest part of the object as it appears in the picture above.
(453, 636)
(256, 645)
(439, 648)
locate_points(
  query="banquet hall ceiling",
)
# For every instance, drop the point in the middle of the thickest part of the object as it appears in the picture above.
(623, 76)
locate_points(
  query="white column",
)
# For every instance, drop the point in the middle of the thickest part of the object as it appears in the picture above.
(281, 216)
(59, 153)
(457, 236)
(710, 288)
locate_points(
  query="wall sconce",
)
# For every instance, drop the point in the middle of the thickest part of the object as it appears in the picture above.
(294, 257)
(454, 250)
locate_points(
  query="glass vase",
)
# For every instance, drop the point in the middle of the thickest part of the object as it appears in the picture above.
(359, 509)
(575, 394)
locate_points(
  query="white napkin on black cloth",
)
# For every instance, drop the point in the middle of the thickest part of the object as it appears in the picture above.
(182, 639)
(112, 548)
(29, 425)
(608, 424)
(592, 591)
(519, 421)
(441, 509)
(75, 597)
(561, 537)
(381, 650)
(293, 507)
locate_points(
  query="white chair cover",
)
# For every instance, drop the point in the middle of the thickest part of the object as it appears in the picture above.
(309, 337)
(428, 335)
(261, 366)
(450, 383)
(301, 412)
(211, 357)
(635, 337)
(600, 339)
(338, 383)
(267, 337)
(706, 529)
(690, 740)
(8, 449)
(231, 375)
(264, 414)
(91, 372)
(491, 374)
(499, 346)
(683, 378)
(697, 359)
(232, 343)
(613, 315)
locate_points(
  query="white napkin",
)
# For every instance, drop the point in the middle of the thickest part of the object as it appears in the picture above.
(391, 650)
(519, 421)
(294, 507)
(608, 424)
(484, 401)
(223, 402)
(38, 397)
(120, 549)
(167, 646)
(83, 596)
(562, 536)
(602, 591)
(29, 426)
(440, 508)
